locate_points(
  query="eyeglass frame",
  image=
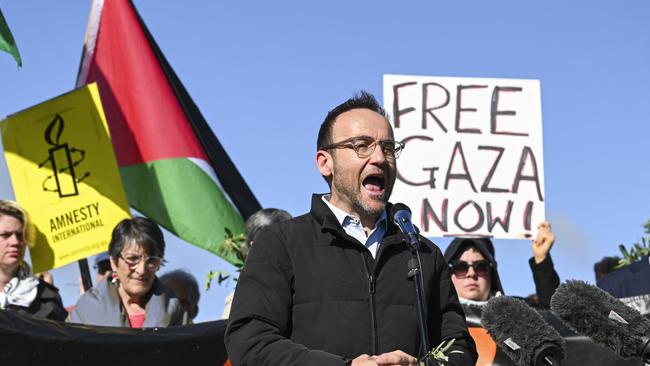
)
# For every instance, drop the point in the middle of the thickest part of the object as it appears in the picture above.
(349, 143)
(146, 264)
(453, 264)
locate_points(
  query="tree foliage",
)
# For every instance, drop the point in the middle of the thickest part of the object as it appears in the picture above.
(637, 250)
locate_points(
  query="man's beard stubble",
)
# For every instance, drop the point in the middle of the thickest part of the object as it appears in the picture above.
(358, 203)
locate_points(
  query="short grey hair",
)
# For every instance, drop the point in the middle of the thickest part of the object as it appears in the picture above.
(262, 219)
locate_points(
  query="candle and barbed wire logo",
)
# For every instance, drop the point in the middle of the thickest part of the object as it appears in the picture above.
(63, 159)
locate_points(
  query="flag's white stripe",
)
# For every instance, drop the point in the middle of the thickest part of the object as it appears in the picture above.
(207, 168)
(91, 39)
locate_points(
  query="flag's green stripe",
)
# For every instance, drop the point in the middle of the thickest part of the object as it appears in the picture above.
(179, 196)
(7, 42)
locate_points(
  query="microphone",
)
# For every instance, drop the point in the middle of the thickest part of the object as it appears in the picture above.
(521, 333)
(401, 215)
(594, 313)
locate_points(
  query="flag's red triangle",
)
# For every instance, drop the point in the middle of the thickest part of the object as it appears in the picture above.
(144, 113)
(150, 114)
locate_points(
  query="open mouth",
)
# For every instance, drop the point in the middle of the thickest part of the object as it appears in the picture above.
(374, 183)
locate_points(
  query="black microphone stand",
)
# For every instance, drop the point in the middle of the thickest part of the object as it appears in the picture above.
(415, 273)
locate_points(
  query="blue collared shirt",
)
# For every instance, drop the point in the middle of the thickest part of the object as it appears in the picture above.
(353, 227)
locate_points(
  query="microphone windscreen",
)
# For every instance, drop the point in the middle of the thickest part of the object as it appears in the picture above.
(398, 207)
(594, 313)
(521, 333)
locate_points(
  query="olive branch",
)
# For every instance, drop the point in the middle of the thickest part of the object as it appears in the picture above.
(637, 251)
(234, 248)
(438, 355)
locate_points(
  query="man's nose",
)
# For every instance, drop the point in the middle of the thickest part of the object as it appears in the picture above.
(378, 156)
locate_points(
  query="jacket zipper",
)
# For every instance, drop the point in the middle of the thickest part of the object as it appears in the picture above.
(373, 316)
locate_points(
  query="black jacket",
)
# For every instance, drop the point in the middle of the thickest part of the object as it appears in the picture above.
(46, 305)
(546, 282)
(309, 294)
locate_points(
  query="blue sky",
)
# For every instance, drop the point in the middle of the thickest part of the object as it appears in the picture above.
(264, 74)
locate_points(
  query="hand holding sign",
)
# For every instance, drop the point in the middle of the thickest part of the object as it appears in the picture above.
(543, 242)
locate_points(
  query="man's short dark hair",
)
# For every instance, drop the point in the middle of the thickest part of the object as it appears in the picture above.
(363, 100)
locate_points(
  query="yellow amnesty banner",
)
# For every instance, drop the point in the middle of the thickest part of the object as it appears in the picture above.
(64, 173)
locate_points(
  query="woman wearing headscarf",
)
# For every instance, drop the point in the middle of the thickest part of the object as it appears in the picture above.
(19, 291)
(474, 272)
(132, 296)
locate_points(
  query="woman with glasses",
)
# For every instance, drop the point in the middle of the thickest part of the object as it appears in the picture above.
(132, 296)
(19, 291)
(474, 269)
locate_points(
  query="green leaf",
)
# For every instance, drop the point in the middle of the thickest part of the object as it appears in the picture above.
(222, 276)
(232, 246)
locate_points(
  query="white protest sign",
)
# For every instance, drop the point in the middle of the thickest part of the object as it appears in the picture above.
(473, 162)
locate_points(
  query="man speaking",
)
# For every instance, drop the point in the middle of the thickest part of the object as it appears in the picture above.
(330, 287)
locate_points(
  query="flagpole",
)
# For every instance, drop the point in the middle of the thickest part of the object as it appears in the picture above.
(86, 280)
(88, 49)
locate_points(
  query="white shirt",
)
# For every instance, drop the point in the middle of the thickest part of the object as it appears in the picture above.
(353, 227)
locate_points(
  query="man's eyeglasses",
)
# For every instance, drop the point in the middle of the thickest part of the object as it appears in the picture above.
(365, 146)
(461, 268)
(152, 263)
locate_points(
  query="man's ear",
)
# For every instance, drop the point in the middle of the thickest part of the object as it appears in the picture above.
(325, 163)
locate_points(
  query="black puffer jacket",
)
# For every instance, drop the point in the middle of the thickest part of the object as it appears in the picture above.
(310, 294)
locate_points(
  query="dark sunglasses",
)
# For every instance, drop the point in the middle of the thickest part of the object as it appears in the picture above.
(460, 268)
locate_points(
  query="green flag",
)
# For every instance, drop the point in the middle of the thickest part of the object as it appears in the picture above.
(7, 42)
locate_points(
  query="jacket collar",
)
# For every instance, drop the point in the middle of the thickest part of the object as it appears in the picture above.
(157, 308)
(329, 222)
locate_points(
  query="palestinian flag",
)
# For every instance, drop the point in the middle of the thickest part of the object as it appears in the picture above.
(173, 168)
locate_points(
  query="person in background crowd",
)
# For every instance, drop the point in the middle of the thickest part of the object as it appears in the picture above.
(20, 292)
(45, 277)
(133, 297)
(255, 223)
(330, 287)
(630, 284)
(605, 266)
(186, 289)
(103, 266)
(262, 219)
(474, 268)
(476, 279)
